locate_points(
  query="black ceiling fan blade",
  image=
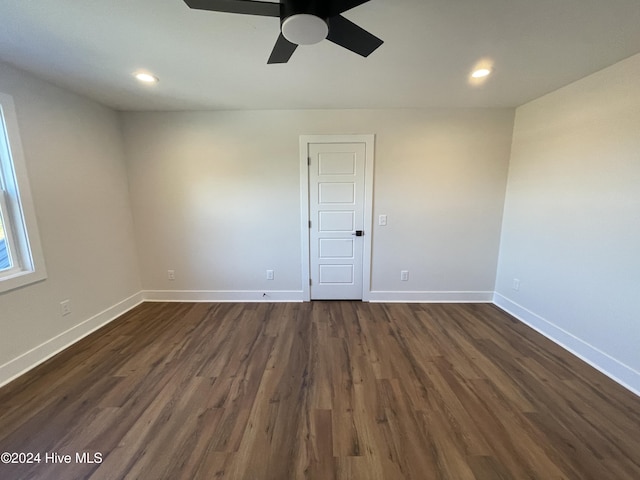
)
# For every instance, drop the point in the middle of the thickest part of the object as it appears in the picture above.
(339, 6)
(249, 7)
(282, 50)
(352, 37)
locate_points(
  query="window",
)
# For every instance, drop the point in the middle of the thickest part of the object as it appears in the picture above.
(5, 258)
(21, 261)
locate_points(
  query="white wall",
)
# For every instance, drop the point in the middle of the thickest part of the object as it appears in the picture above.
(215, 197)
(571, 231)
(75, 161)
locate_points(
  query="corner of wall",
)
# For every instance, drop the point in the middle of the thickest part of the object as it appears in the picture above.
(609, 366)
(41, 353)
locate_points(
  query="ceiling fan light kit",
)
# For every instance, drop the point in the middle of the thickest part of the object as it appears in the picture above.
(304, 29)
(302, 22)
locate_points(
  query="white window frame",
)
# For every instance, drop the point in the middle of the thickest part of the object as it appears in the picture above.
(16, 206)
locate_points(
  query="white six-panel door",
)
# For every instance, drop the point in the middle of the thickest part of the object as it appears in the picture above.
(338, 214)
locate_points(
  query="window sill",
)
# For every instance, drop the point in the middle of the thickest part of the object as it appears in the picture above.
(21, 279)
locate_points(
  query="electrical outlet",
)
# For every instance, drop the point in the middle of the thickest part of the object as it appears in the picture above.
(404, 275)
(269, 274)
(65, 307)
(516, 284)
(171, 274)
(382, 220)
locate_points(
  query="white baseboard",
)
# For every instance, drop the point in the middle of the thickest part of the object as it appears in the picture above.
(612, 368)
(37, 355)
(298, 296)
(222, 295)
(380, 296)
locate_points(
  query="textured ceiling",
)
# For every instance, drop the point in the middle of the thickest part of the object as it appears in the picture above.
(208, 60)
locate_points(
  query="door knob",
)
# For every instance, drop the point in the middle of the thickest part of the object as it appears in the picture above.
(358, 233)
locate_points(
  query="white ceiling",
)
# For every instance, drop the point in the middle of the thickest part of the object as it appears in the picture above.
(210, 60)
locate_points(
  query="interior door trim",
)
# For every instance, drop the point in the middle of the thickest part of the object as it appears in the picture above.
(369, 142)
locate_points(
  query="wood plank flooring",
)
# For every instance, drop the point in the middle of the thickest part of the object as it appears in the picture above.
(321, 390)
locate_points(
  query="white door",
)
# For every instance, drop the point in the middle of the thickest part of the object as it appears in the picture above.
(337, 220)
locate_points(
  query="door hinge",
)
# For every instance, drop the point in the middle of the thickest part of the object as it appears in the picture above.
(309, 223)
(309, 161)
(309, 282)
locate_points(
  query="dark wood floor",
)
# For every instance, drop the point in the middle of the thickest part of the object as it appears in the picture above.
(322, 390)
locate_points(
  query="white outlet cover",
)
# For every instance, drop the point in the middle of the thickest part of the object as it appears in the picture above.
(65, 307)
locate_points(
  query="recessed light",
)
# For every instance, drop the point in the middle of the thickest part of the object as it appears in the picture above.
(481, 73)
(146, 77)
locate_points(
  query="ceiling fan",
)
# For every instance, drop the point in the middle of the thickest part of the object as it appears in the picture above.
(302, 22)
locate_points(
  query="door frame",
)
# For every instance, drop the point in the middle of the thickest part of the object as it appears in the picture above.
(369, 142)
